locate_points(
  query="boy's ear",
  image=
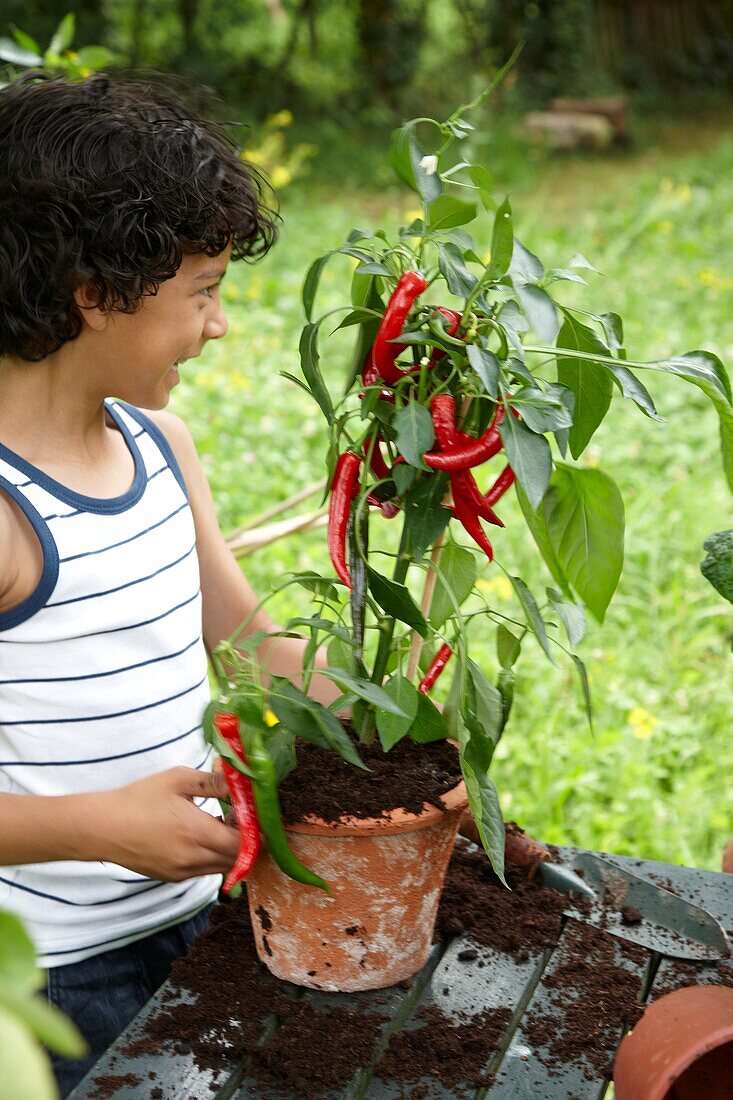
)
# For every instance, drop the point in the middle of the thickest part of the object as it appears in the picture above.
(87, 299)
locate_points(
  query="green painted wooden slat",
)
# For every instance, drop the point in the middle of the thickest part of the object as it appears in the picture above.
(529, 1072)
(177, 1074)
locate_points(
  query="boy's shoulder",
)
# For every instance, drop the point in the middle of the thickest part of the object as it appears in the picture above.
(181, 442)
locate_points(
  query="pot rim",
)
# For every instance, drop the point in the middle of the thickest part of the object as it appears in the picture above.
(395, 821)
(689, 1049)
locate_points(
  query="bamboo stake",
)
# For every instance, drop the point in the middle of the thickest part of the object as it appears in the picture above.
(247, 542)
(278, 509)
(427, 599)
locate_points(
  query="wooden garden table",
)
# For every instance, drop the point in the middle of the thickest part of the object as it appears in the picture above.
(501, 981)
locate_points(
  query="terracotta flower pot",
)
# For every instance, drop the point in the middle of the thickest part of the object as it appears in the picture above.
(376, 927)
(681, 1049)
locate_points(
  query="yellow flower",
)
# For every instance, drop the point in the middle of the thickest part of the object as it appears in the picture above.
(707, 276)
(281, 176)
(642, 723)
(282, 118)
(411, 215)
(666, 226)
(270, 718)
(684, 193)
(498, 586)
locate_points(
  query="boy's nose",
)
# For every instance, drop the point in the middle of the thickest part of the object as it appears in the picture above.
(216, 324)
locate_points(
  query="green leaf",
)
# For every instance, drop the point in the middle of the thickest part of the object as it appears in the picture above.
(584, 514)
(571, 615)
(16, 55)
(23, 1062)
(585, 687)
(717, 567)
(46, 1021)
(64, 35)
(482, 179)
(341, 655)
(405, 698)
(403, 476)
(487, 367)
(365, 689)
(372, 267)
(414, 433)
(529, 456)
(590, 382)
(483, 802)
(578, 260)
(453, 268)
(95, 57)
(17, 955)
(426, 516)
(482, 712)
(320, 586)
(535, 520)
(429, 724)
(454, 582)
(634, 390)
(702, 368)
(405, 155)
(545, 410)
(280, 743)
(502, 243)
(309, 719)
(540, 311)
(395, 599)
(25, 40)
(446, 212)
(525, 267)
(311, 281)
(532, 611)
(309, 359)
(508, 646)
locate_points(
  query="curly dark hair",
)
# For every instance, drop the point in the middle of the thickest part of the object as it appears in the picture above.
(109, 183)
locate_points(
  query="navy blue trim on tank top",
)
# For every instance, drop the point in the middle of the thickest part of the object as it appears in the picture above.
(160, 439)
(97, 759)
(37, 599)
(102, 505)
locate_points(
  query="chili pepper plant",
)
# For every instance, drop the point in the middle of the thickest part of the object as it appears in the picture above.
(469, 379)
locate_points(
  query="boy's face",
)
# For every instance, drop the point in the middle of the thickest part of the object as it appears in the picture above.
(170, 327)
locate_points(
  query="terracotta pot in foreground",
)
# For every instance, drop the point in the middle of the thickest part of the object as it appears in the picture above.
(681, 1049)
(376, 927)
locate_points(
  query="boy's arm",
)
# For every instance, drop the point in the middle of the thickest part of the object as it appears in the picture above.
(227, 596)
(151, 826)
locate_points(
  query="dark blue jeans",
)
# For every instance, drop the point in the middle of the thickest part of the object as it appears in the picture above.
(102, 994)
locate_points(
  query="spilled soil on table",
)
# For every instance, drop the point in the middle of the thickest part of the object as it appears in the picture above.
(222, 1005)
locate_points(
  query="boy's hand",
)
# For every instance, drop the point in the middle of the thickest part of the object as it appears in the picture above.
(152, 826)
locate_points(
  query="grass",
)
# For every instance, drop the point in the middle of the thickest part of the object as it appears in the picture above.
(654, 778)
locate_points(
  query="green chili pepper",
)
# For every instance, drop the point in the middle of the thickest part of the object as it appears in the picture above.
(268, 813)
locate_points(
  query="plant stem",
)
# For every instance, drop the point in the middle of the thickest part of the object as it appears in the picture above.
(385, 642)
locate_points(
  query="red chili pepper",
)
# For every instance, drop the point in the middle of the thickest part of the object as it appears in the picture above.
(504, 481)
(468, 503)
(464, 509)
(380, 363)
(240, 788)
(388, 508)
(438, 663)
(466, 455)
(343, 490)
(380, 469)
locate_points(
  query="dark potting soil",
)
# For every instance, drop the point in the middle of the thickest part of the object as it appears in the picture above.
(586, 1027)
(233, 996)
(409, 775)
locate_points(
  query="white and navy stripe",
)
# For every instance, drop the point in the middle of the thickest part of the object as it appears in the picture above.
(103, 680)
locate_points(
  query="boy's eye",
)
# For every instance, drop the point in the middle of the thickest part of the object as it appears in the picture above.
(208, 291)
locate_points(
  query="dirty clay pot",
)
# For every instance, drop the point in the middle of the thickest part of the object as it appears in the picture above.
(376, 927)
(681, 1049)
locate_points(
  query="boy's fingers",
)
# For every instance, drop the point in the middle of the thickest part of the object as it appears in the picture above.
(201, 784)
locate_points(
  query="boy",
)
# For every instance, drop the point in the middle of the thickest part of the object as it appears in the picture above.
(119, 212)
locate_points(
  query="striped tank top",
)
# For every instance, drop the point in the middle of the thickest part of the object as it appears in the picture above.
(103, 680)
